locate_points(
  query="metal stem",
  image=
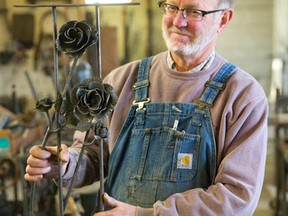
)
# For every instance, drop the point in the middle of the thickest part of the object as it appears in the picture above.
(101, 156)
(76, 169)
(32, 198)
(101, 170)
(56, 65)
(69, 78)
(98, 21)
(56, 57)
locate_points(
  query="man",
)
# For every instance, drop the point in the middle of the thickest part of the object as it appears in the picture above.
(189, 132)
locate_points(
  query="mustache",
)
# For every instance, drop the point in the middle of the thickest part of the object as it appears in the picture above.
(179, 31)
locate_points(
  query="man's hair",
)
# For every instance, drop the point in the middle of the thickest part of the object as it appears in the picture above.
(226, 3)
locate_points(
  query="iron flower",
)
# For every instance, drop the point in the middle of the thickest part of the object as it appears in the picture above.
(74, 37)
(44, 105)
(91, 98)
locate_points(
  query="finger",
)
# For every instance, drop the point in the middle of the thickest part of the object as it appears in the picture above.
(33, 178)
(36, 162)
(51, 149)
(64, 154)
(109, 201)
(37, 152)
(37, 171)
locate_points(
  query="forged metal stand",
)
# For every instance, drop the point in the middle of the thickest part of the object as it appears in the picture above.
(56, 66)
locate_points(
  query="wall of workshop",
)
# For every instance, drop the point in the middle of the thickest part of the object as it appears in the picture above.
(280, 33)
(280, 48)
(138, 29)
(248, 40)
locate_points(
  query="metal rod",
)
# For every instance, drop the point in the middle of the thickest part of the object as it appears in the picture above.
(60, 182)
(101, 170)
(75, 5)
(56, 71)
(56, 57)
(101, 156)
(31, 85)
(98, 21)
(32, 198)
(76, 169)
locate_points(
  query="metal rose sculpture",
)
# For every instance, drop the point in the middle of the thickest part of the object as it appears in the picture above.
(100, 131)
(74, 37)
(91, 98)
(87, 103)
(44, 105)
(88, 100)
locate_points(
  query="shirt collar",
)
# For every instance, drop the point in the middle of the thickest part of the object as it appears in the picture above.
(204, 65)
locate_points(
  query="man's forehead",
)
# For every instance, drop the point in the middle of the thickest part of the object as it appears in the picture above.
(193, 2)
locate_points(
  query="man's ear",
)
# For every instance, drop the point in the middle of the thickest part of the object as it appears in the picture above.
(226, 18)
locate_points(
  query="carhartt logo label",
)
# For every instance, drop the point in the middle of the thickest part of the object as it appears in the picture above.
(184, 161)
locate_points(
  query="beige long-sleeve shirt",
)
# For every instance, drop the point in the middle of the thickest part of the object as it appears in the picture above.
(239, 117)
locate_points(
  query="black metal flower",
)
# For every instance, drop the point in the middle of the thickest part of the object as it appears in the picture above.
(44, 105)
(74, 37)
(91, 98)
(100, 131)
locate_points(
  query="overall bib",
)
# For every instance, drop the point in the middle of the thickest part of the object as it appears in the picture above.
(164, 148)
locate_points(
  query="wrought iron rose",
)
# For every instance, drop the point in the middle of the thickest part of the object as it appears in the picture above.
(44, 105)
(100, 131)
(74, 37)
(91, 98)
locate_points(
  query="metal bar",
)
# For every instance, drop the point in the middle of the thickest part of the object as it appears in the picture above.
(101, 156)
(31, 85)
(98, 21)
(75, 5)
(56, 57)
(101, 170)
(60, 182)
(56, 71)
(32, 198)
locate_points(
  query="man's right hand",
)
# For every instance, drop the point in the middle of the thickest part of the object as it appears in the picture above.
(44, 163)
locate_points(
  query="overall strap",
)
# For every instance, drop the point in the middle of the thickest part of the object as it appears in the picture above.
(141, 86)
(214, 87)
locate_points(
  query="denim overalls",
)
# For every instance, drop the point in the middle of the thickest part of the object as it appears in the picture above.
(164, 148)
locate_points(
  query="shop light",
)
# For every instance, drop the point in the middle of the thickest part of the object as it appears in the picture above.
(107, 1)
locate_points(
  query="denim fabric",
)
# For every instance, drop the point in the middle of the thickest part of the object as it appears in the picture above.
(164, 148)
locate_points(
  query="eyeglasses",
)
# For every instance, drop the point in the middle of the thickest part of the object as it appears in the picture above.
(188, 13)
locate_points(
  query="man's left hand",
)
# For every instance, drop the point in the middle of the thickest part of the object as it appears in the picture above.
(117, 208)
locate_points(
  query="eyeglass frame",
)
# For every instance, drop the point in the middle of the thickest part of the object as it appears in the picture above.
(184, 10)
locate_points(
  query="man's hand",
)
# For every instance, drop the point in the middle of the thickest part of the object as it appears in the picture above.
(44, 163)
(118, 208)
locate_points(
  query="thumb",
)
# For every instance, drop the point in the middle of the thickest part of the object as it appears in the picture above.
(109, 201)
(64, 153)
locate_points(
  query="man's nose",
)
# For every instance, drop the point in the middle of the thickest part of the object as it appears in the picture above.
(180, 20)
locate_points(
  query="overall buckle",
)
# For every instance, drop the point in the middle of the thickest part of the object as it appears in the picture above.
(141, 104)
(210, 84)
(203, 104)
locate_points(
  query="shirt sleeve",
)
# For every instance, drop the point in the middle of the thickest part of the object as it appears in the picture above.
(89, 164)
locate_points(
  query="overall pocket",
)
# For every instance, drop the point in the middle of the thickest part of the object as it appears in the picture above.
(163, 154)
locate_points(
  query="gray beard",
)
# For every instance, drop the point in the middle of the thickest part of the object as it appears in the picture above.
(188, 49)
